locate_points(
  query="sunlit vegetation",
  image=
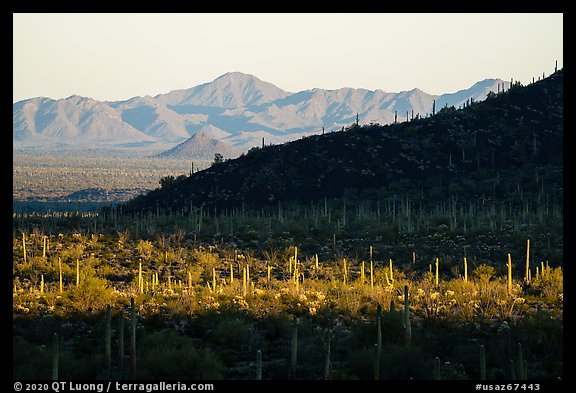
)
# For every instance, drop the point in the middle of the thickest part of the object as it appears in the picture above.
(205, 307)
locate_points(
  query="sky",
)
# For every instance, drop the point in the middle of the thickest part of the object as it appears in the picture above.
(117, 56)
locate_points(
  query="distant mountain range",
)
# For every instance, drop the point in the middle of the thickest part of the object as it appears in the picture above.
(237, 110)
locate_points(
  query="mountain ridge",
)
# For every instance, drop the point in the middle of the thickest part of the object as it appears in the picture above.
(505, 148)
(244, 108)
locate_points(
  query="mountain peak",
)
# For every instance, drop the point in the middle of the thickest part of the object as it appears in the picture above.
(201, 147)
(201, 136)
(230, 90)
(236, 76)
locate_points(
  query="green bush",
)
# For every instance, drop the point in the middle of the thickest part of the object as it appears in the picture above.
(167, 354)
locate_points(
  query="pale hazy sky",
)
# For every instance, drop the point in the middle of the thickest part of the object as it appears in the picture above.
(119, 56)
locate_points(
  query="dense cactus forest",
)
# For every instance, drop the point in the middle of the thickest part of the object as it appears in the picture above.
(430, 249)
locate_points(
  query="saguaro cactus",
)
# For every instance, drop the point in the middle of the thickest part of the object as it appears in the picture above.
(108, 340)
(482, 363)
(378, 354)
(406, 319)
(259, 365)
(55, 356)
(509, 265)
(295, 256)
(244, 282)
(527, 275)
(140, 280)
(77, 272)
(121, 341)
(294, 349)
(327, 357)
(521, 363)
(133, 339)
(370, 253)
(376, 362)
(512, 370)
(24, 246)
(60, 274)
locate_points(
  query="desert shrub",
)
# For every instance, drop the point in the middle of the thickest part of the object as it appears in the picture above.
(93, 294)
(551, 285)
(484, 273)
(399, 362)
(30, 361)
(167, 354)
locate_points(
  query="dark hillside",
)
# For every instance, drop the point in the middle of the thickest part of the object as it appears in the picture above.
(509, 144)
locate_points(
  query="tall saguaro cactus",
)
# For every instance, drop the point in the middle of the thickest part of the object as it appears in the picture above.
(77, 272)
(121, 341)
(24, 246)
(108, 340)
(44, 238)
(60, 274)
(140, 279)
(132, 339)
(378, 354)
(55, 356)
(259, 365)
(406, 319)
(376, 363)
(482, 363)
(509, 265)
(327, 357)
(527, 275)
(521, 363)
(294, 349)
